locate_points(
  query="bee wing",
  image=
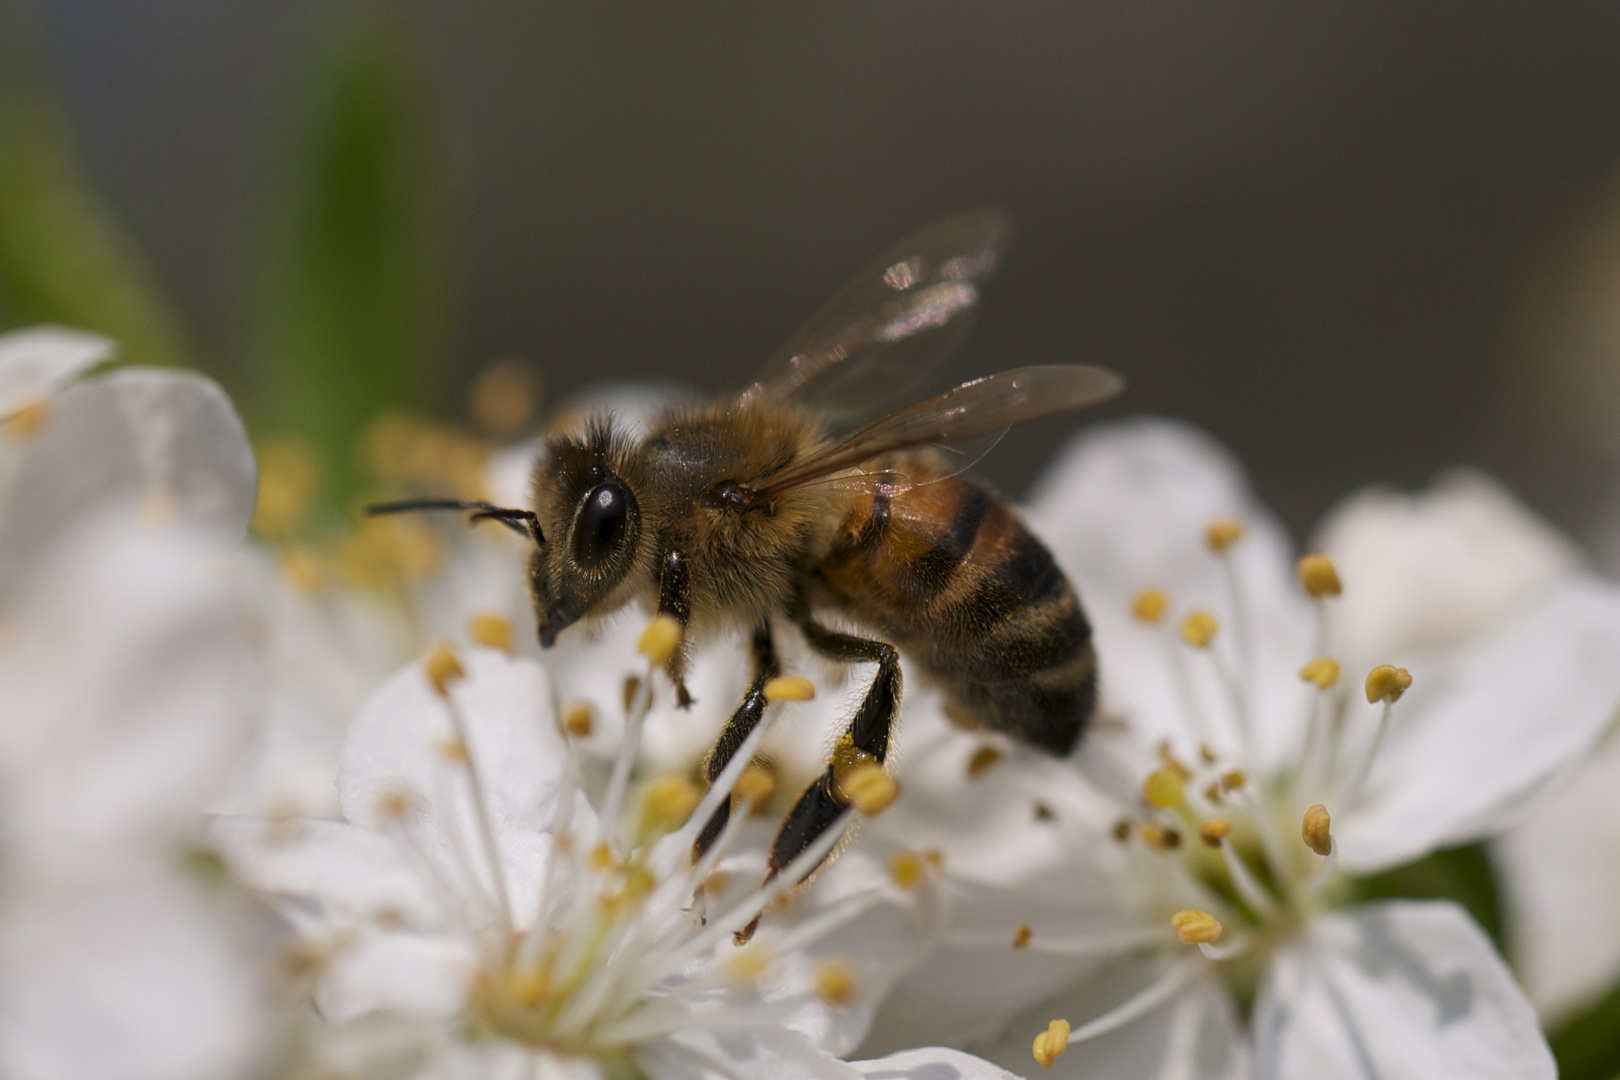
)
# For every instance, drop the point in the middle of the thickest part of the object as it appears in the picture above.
(982, 407)
(893, 325)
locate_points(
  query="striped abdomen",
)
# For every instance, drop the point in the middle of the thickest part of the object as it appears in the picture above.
(949, 572)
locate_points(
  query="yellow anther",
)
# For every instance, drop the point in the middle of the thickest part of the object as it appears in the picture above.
(1233, 780)
(906, 870)
(1205, 754)
(1213, 831)
(1164, 788)
(1223, 534)
(1386, 682)
(983, 760)
(27, 420)
(1158, 837)
(442, 668)
(1213, 792)
(1318, 576)
(503, 398)
(1315, 830)
(1195, 927)
(602, 857)
(1323, 671)
(1122, 829)
(934, 858)
(1150, 605)
(1198, 628)
(869, 788)
(1050, 1044)
(745, 966)
(491, 630)
(578, 719)
(302, 569)
(289, 478)
(660, 640)
(789, 688)
(755, 786)
(671, 799)
(454, 749)
(836, 981)
(394, 803)
(1021, 936)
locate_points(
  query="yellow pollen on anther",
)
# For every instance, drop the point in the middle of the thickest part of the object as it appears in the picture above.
(578, 719)
(660, 640)
(869, 788)
(906, 870)
(746, 965)
(836, 981)
(442, 668)
(1213, 831)
(1318, 576)
(983, 760)
(1022, 936)
(27, 420)
(1164, 788)
(602, 857)
(789, 688)
(1122, 829)
(1198, 628)
(1323, 671)
(1315, 830)
(1195, 927)
(671, 799)
(491, 630)
(1158, 837)
(1223, 534)
(1234, 780)
(1050, 1044)
(755, 786)
(1386, 682)
(1150, 605)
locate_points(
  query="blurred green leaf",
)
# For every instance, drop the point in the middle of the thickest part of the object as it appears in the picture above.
(347, 308)
(63, 258)
(1588, 1047)
(1463, 874)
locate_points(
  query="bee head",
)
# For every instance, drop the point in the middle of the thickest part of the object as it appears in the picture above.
(584, 493)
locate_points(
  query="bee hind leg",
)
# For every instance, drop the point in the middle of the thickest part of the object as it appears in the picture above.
(865, 739)
(766, 668)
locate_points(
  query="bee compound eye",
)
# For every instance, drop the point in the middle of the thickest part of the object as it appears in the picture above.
(601, 524)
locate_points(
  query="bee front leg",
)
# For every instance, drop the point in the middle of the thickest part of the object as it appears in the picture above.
(738, 728)
(675, 600)
(866, 739)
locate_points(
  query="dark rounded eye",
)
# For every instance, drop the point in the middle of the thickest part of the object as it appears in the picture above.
(600, 525)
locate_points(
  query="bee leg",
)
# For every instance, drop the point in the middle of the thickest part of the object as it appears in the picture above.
(675, 600)
(737, 729)
(866, 739)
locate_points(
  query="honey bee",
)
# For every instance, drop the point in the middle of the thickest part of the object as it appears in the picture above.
(754, 512)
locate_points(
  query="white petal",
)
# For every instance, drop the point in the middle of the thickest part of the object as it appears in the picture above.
(932, 1063)
(37, 362)
(170, 438)
(134, 983)
(1479, 735)
(699, 1054)
(355, 874)
(1125, 507)
(1195, 1035)
(1396, 990)
(1429, 571)
(129, 677)
(419, 975)
(1561, 874)
(397, 747)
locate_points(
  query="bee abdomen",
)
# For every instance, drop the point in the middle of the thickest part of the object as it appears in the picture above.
(950, 571)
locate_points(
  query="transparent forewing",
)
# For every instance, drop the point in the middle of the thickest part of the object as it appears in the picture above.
(894, 324)
(983, 407)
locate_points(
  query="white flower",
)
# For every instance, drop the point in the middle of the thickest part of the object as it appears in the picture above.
(125, 685)
(1242, 780)
(478, 898)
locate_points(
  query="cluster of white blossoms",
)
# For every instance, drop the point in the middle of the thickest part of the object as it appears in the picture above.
(264, 814)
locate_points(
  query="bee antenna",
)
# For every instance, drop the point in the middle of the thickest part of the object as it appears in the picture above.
(522, 522)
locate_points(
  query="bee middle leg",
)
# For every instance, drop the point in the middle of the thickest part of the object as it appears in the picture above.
(865, 739)
(737, 729)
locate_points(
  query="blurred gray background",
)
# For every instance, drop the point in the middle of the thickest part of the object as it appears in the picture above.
(1341, 237)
